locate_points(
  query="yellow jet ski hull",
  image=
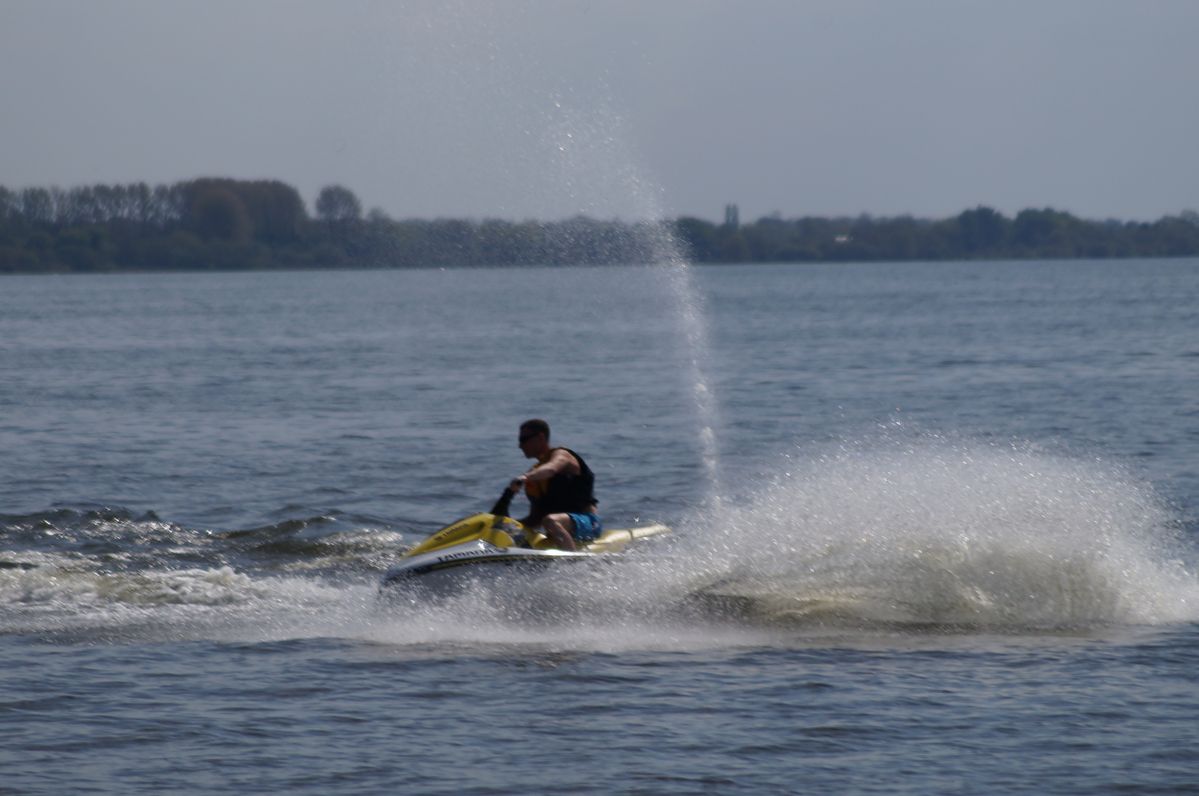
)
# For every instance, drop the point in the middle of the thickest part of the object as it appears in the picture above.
(490, 543)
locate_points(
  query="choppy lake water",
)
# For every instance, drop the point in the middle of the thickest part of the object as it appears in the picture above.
(941, 537)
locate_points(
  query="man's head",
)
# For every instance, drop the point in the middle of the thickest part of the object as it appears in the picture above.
(534, 437)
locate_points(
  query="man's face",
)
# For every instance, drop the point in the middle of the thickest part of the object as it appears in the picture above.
(531, 442)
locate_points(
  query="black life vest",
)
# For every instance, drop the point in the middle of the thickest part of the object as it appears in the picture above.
(566, 492)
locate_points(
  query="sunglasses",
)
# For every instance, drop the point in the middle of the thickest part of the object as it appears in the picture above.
(528, 436)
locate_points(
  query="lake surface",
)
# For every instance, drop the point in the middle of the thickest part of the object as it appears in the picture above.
(936, 530)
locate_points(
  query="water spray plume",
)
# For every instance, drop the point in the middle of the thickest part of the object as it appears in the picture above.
(594, 162)
(950, 534)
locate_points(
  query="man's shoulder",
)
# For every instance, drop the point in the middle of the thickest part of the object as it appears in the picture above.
(566, 455)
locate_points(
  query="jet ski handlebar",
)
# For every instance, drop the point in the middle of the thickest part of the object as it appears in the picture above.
(500, 509)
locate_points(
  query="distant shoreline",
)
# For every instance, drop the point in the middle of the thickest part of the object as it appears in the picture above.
(215, 224)
(695, 264)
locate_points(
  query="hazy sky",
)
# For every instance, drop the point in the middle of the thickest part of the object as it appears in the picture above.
(627, 108)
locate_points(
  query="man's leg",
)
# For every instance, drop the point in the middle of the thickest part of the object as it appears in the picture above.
(558, 527)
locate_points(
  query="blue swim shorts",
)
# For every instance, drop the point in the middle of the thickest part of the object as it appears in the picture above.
(587, 527)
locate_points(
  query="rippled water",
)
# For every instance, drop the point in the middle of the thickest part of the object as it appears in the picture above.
(953, 548)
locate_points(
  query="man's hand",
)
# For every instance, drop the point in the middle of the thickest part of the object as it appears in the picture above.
(518, 483)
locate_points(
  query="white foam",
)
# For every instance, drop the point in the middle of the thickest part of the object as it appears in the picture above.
(950, 533)
(905, 535)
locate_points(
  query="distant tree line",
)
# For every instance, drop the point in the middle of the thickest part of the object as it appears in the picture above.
(980, 233)
(226, 224)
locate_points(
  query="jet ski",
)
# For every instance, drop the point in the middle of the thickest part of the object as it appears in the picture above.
(490, 544)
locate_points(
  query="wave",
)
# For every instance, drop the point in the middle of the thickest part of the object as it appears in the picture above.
(61, 583)
(111, 570)
(321, 542)
(917, 536)
(948, 534)
(127, 539)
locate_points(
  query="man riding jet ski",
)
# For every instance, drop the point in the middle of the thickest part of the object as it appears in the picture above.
(560, 488)
(562, 505)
